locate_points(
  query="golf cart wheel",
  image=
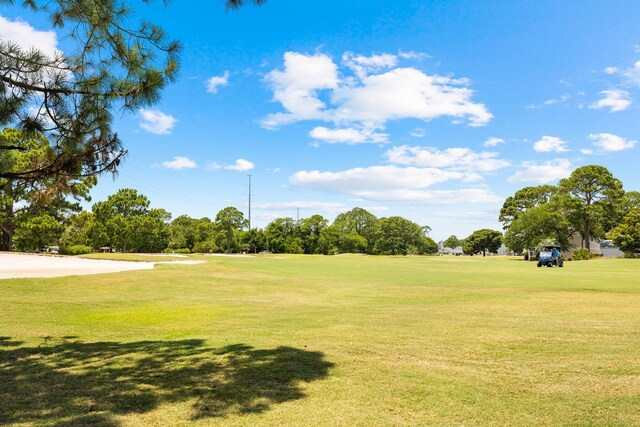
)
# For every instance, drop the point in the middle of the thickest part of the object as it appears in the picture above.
(539, 264)
(561, 264)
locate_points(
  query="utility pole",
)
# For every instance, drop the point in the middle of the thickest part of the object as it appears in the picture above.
(249, 201)
(298, 220)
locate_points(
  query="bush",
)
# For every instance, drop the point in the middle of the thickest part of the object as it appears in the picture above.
(75, 250)
(581, 254)
(177, 251)
(630, 255)
(333, 251)
(207, 247)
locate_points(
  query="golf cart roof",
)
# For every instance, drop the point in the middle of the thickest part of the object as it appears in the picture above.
(550, 247)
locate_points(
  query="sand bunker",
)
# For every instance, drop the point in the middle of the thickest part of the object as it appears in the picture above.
(19, 265)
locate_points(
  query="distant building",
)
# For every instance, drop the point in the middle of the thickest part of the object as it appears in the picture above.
(443, 250)
(609, 250)
(575, 242)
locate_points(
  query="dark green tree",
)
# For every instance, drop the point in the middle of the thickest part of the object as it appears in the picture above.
(229, 222)
(398, 236)
(452, 242)
(117, 217)
(112, 64)
(536, 225)
(79, 230)
(358, 221)
(279, 234)
(151, 231)
(37, 231)
(627, 234)
(482, 241)
(182, 233)
(309, 230)
(525, 199)
(427, 246)
(614, 211)
(588, 192)
(18, 196)
(254, 240)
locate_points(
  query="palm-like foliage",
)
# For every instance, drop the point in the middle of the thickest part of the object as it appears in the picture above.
(237, 4)
(70, 97)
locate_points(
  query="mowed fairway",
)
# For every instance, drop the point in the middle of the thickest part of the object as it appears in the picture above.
(320, 341)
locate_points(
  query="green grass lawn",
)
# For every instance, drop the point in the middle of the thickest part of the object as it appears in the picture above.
(322, 341)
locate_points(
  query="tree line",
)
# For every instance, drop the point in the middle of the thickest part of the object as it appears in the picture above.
(591, 203)
(126, 222)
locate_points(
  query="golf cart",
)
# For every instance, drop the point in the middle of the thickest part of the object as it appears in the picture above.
(550, 256)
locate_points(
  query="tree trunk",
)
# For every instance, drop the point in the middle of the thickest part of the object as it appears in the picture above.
(587, 235)
(8, 228)
(7, 240)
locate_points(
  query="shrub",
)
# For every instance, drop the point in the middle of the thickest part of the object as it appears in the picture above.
(630, 255)
(206, 247)
(177, 251)
(75, 250)
(333, 251)
(581, 254)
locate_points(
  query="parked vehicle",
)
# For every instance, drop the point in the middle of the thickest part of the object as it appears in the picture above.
(550, 256)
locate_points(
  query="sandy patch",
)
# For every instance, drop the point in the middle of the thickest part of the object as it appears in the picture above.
(24, 265)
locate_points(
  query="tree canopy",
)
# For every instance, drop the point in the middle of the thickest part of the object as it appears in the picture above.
(589, 191)
(627, 234)
(452, 242)
(113, 63)
(21, 197)
(523, 200)
(482, 241)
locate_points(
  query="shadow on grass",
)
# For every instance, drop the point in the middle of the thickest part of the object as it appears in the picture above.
(78, 383)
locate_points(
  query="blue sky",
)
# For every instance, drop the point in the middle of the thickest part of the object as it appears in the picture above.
(432, 110)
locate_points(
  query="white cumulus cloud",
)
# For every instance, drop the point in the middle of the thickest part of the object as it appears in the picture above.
(542, 173)
(610, 142)
(564, 98)
(633, 74)
(393, 184)
(180, 162)
(240, 165)
(451, 158)
(615, 100)
(27, 37)
(155, 121)
(493, 141)
(549, 144)
(404, 93)
(373, 178)
(432, 197)
(311, 87)
(213, 83)
(348, 135)
(413, 55)
(364, 65)
(418, 133)
(297, 85)
(310, 205)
